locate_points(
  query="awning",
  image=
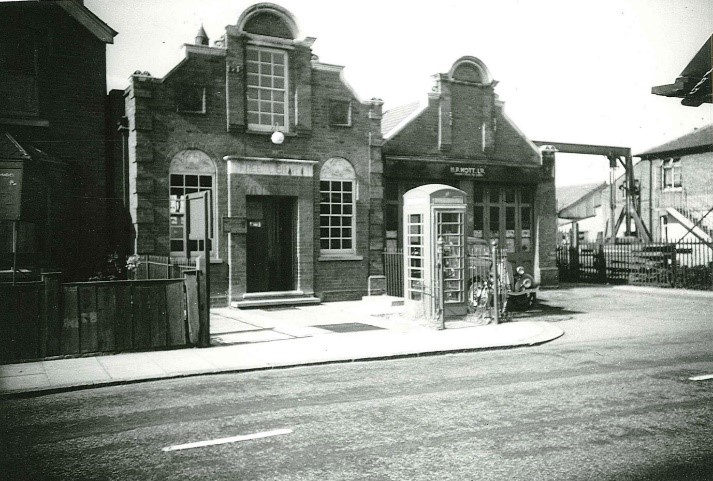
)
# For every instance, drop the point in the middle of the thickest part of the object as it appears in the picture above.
(693, 85)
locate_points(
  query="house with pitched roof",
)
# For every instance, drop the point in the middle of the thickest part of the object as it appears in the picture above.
(53, 100)
(676, 180)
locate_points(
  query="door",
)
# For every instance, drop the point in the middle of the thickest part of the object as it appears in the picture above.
(270, 253)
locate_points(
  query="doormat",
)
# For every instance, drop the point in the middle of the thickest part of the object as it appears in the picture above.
(348, 327)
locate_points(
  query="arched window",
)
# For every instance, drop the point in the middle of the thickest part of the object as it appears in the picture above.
(337, 213)
(190, 171)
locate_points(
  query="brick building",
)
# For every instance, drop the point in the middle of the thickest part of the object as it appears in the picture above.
(461, 137)
(53, 98)
(290, 155)
(676, 182)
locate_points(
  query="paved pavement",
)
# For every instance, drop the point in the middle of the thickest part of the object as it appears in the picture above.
(255, 339)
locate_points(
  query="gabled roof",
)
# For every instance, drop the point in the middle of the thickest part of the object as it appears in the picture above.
(569, 194)
(90, 21)
(700, 140)
(398, 117)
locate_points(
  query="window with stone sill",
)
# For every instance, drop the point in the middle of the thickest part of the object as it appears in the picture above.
(337, 190)
(671, 174)
(340, 113)
(190, 171)
(267, 88)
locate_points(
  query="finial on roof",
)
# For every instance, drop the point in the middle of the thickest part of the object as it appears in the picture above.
(202, 37)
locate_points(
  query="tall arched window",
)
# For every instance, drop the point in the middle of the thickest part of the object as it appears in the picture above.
(337, 213)
(190, 171)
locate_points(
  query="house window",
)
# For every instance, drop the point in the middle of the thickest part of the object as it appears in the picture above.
(192, 100)
(191, 171)
(671, 173)
(340, 113)
(267, 89)
(337, 190)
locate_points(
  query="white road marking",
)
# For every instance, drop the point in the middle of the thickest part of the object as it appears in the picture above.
(233, 439)
(701, 378)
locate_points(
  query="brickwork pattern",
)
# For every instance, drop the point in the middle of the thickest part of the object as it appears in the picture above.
(158, 132)
(71, 85)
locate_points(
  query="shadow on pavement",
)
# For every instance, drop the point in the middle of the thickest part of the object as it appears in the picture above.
(541, 310)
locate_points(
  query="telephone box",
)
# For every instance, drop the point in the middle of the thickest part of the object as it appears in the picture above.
(434, 251)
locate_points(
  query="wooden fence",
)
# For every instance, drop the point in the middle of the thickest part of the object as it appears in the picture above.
(45, 319)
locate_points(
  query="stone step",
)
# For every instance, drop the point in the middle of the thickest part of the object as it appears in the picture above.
(273, 300)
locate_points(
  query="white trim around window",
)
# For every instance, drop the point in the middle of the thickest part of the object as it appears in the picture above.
(267, 89)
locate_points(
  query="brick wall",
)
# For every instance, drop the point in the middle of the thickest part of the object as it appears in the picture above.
(71, 85)
(158, 132)
(696, 191)
(464, 122)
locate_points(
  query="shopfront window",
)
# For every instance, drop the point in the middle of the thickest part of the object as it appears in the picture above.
(505, 214)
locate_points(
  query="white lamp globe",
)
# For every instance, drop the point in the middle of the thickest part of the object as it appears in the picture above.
(277, 137)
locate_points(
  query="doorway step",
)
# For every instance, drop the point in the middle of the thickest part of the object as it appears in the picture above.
(277, 298)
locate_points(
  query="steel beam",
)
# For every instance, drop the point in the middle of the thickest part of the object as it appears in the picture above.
(606, 150)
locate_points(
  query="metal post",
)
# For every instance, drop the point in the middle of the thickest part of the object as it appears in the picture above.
(612, 196)
(205, 328)
(14, 250)
(439, 267)
(496, 280)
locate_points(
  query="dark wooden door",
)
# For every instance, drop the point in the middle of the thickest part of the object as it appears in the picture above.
(270, 243)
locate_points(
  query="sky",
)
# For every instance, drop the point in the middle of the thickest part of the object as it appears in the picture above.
(567, 70)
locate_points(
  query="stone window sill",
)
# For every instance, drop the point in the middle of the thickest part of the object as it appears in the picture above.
(340, 257)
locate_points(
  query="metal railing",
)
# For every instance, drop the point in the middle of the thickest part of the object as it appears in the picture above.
(684, 264)
(160, 267)
(476, 268)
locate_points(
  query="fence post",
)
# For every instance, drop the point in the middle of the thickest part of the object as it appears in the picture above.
(203, 301)
(192, 306)
(574, 264)
(600, 264)
(674, 265)
(50, 319)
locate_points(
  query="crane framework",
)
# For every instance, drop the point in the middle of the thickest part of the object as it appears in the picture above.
(632, 203)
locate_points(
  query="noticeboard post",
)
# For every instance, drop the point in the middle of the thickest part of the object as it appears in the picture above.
(197, 218)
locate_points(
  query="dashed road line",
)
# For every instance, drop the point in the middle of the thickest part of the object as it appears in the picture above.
(704, 377)
(233, 439)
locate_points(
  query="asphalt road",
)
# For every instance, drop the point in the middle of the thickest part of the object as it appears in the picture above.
(611, 400)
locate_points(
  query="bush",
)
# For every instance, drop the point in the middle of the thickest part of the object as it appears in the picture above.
(696, 277)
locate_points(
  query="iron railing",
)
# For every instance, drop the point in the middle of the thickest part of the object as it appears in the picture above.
(476, 268)
(684, 264)
(160, 267)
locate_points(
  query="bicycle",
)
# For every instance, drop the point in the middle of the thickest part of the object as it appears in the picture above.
(481, 295)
